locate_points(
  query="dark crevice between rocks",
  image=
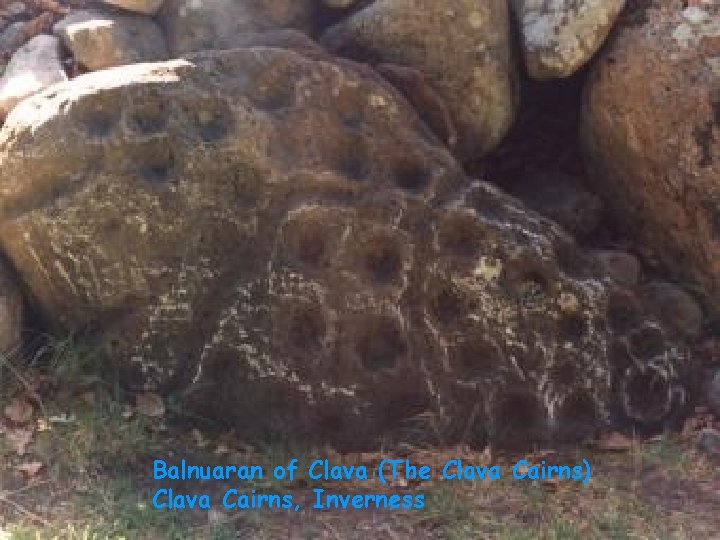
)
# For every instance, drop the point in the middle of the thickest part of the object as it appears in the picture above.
(635, 13)
(704, 139)
(541, 162)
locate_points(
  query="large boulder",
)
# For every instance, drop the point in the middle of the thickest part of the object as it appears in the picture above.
(279, 236)
(219, 24)
(463, 47)
(651, 127)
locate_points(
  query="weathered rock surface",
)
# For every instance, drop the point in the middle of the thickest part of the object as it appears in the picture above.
(99, 40)
(33, 67)
(463, 48)
(559, 37)
(654, 146)
(279, 234)
(146, 7)
(218, 24)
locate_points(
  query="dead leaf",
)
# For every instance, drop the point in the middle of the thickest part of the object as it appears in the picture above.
(150, 404)
(19, 411)
(19, 440)
(30, 470)
(612, 441)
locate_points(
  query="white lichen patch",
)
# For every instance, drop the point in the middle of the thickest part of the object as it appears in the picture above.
(560, 36)
(697, 25)
(488, 268)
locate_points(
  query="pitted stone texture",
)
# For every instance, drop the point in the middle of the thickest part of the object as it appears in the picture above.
(463, 48)
(560, 36)
(279, 236)
(192, 26)
(654, 148)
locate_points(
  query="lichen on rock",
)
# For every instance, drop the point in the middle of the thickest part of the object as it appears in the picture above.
(561, 36)
(276, 234)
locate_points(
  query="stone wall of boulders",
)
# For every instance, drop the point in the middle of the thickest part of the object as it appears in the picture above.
(269, 208)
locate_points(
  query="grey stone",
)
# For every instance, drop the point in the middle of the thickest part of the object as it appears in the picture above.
(559, 37)
(101, 40)
(34, 66)
(11, 38)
